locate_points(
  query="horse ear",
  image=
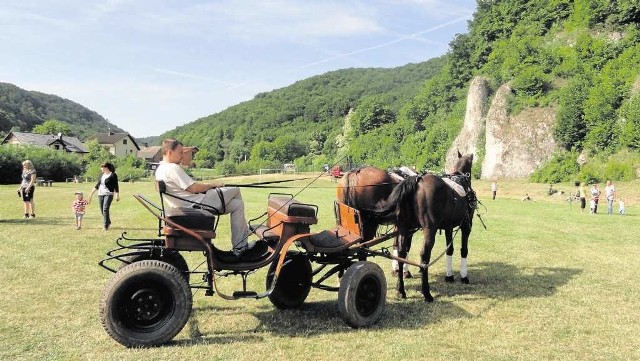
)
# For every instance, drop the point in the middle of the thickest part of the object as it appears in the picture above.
(471, 157)
(459, 155)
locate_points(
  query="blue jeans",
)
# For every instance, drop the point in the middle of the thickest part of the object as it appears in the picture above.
(105, 204)
(610, 205)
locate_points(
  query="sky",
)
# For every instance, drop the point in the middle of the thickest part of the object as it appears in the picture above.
(149, 66)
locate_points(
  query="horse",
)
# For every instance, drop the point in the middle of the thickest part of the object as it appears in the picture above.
(366, 189)
(430, 203)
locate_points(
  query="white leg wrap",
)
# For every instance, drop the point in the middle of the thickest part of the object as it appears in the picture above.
(394, 264)
(449, 265)
(406, 267)
(463, 267)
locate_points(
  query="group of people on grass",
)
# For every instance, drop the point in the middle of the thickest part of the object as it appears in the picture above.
(595, 193)
(107, 188)
(227, 200)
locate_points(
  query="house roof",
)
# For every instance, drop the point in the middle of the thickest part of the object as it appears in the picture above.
(70, 144)
(149, 152)
(112, 138)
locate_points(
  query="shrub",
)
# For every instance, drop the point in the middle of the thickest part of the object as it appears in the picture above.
(560, 168)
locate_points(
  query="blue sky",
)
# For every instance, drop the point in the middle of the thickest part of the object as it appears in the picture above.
(151, 65)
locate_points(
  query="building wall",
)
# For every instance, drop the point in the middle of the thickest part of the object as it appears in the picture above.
(123, 148)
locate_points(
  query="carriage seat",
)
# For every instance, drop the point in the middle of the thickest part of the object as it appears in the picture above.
(291, 207)
(191, 218)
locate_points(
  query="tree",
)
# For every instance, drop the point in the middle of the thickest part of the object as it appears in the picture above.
(369, 115)
(52, 126)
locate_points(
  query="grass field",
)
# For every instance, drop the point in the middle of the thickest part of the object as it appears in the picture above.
(546, 283)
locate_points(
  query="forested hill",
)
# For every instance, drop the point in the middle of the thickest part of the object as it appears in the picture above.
(21, 110)
(577, 59)
(305, 117)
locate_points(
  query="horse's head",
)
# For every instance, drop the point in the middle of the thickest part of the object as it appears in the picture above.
(463, 164)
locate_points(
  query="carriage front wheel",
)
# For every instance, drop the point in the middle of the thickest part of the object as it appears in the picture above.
(146, 303)
(362, 294)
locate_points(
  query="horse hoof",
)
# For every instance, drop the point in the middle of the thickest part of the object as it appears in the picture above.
(407, 274)
(401, 295)
(394, 273)
(428, 298)
(449, 279)
(464, 280)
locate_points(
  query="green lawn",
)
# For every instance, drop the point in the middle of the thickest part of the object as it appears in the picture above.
(546, 283)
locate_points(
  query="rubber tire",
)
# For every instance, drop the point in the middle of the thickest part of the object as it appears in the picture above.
(294, 282)
(147, 283)
(362, 294)
(173, 258)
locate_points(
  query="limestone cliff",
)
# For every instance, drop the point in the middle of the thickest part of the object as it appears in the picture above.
(514, 146)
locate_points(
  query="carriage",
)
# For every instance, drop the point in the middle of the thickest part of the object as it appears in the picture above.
(148, 300)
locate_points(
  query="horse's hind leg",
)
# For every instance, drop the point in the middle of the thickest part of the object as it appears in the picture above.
(403, 242)
(448, 277)
(429, 240)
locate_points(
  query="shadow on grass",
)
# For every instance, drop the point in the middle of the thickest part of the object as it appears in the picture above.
(38, 221)
(491, 282)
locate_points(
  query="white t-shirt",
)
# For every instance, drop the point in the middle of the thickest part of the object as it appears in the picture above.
(177, 180)
(609, 190)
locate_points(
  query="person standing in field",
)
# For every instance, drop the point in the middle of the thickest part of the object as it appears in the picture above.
(108, 189)
(494, 188)
(595, 194)
(610, 194)
(620, 205)
(27, 188)
(582, 193)
(79, 207)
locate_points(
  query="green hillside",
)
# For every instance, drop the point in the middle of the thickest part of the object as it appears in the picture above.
(303, 119)
(580, 56)
(22, 110)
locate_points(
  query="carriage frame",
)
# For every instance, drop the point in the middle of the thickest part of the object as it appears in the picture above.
(148, 300)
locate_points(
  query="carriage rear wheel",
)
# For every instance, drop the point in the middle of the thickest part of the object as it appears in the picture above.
(173, 258)
(146, 303)
(293, 283)
(362, 294)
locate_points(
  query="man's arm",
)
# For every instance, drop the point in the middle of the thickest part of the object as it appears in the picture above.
(198, 187)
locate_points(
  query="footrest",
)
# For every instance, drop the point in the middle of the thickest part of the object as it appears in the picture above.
(245, 294)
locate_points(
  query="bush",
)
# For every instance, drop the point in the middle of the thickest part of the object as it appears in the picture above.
(49, 163)
(560, 168)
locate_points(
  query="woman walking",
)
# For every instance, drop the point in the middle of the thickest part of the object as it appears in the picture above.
(107, 188)
(27, 187)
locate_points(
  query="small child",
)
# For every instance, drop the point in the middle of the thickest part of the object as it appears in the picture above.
(79, 206)
(621, 205)
(592, 205)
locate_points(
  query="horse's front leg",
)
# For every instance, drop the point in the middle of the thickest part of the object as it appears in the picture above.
(464, 251)
(425, 255)
(448, 277)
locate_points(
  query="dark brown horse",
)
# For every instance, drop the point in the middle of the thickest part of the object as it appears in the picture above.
(366, 189)
(428, 202)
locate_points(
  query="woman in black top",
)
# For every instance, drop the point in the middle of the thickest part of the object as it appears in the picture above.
(107, 188)
(27, 188)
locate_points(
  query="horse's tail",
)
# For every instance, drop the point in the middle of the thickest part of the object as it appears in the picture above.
(347, 187)
(401, 201)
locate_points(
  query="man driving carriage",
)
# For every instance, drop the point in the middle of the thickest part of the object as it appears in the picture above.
(227, 200)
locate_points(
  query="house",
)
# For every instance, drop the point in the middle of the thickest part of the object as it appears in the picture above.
(118, 144)
(151, 154)
(57, 142)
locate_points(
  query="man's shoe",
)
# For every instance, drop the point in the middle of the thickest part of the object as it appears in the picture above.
(253, 251)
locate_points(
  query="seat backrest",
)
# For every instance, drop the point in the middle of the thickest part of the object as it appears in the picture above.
(348, 218)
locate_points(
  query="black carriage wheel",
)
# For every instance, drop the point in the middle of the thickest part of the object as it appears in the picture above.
(293, 283)
(146, 303)
(362, 294)
(173, 258)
